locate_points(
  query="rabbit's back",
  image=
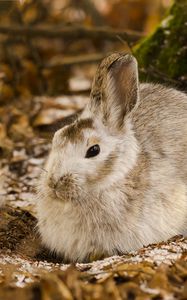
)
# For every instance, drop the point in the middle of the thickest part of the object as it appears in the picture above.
(158, 182)
(160, 125)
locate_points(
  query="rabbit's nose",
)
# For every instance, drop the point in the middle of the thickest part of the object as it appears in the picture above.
(65, 178)
(64, 181)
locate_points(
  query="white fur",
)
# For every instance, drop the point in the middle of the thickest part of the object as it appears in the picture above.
(76, 230)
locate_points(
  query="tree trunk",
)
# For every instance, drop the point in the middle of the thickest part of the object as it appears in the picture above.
(162, 56)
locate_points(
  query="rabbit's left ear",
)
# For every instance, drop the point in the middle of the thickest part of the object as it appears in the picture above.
(116, 88)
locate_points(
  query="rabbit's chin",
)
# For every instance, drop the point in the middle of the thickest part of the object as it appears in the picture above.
(67, 196)
(49, 195)
(72, 195)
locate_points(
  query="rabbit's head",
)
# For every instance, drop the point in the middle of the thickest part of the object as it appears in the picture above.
(99, 148)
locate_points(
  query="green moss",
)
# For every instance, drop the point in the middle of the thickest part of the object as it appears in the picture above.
(165, 51)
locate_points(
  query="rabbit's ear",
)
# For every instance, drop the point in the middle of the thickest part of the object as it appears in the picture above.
(116, 88)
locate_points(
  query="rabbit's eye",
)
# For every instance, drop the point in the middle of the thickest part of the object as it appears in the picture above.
(92, 151)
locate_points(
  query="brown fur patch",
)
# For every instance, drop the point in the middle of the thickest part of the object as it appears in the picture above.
(74, 132)
(93, 141)
(138, 177)
(136, 184)
(104, 169)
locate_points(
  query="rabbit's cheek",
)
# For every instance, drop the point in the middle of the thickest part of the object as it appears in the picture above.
(104, 170)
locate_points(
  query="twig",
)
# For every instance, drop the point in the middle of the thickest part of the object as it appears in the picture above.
(160, 76)
(70, 32)
(113, 271)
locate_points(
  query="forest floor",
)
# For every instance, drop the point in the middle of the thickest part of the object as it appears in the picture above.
(42, 63)
(27, 270)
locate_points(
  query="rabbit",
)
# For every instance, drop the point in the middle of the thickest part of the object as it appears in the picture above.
(116, 177)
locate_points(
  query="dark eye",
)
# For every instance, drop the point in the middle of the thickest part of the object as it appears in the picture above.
(92, 151)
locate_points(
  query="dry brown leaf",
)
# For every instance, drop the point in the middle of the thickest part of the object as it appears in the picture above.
(21, 129)
(31, 14)
(52, 288)
(6, 145)
(5, 72)
(6, 92)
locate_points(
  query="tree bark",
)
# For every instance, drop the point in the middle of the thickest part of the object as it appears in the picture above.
(162, 56)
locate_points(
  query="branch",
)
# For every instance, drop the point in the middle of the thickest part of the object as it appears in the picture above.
(70, 32)
(76, 60)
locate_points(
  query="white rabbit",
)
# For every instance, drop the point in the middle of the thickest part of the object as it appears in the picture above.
(117, 176)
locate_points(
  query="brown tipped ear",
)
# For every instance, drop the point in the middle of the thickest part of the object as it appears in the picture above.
(116, 88)
(122, 80)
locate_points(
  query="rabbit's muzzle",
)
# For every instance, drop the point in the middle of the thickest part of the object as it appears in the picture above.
(65, 188)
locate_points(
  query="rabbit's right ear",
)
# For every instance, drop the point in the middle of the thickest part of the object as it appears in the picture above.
(115, 89)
